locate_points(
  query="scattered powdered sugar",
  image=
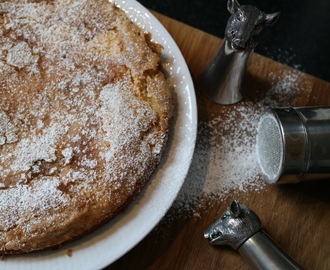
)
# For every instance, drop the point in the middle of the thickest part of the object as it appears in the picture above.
(7, 129)
(20, 55)
(232, 149)
(225, 161)
(39, 148)
(287, 88)
(67, 154)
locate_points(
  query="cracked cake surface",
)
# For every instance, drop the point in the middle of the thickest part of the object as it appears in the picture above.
(84, 118)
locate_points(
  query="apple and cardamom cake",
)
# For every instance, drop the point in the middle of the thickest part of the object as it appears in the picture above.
(85, 111)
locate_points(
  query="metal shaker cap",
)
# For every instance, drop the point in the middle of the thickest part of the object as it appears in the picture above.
(282, 146)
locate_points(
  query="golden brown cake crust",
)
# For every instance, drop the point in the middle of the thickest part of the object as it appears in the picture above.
(84, 118)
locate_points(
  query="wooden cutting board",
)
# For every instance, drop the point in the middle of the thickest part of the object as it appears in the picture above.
(296, 216)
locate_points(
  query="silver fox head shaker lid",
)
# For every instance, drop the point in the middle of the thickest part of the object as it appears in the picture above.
(293, 144)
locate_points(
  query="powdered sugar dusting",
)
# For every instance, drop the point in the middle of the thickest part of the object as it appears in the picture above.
(7, 129)
(20, 55)
(232, 145)
(30, 200)
(287, 89)
(225, 161)
(39, 148)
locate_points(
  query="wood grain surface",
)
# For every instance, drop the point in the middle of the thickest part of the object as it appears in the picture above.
(296, 216)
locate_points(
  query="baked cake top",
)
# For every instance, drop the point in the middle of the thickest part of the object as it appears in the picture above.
(84, 118)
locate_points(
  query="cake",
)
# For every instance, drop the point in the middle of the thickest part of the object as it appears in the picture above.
(85, 112)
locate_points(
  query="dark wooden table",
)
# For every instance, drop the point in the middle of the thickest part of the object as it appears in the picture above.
(296, 216)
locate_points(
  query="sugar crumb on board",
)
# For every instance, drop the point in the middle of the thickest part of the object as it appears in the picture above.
(69, 252)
